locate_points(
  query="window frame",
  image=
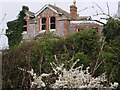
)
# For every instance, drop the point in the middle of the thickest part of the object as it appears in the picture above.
(52, 23)
(41, 24)
(78, 29)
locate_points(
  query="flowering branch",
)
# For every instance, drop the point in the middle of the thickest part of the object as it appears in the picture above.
(72, 78)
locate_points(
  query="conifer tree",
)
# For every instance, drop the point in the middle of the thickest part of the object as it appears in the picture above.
(15, 28)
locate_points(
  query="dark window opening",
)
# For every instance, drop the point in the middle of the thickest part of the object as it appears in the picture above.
(95, 28)
(43, 22)
(78, 30)
(52, 23)
(52, 26)
(43, 27)
(25, 25)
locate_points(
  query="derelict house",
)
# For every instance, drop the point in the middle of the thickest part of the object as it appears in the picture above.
(58, 21)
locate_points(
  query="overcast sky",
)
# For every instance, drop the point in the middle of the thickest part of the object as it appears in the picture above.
(12, 7)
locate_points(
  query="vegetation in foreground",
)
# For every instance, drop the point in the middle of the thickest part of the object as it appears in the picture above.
(100, 56)
(39, 53)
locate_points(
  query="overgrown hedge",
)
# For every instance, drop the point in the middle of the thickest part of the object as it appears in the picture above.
(38, 54)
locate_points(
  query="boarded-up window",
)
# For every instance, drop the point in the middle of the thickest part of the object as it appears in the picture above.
(43, 22)
(52, 22)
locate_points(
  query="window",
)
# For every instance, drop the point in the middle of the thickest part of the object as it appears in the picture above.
(43, 22)
(25, 25)
(78, 30)
(52, 22)
(95, 28)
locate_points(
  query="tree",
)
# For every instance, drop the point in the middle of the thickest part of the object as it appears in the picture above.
(40, 52)
(112, 29)
(112, 63)
(15, 28)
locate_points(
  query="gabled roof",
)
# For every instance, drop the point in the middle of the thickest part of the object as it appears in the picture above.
(29, 13)
(60, 10)
(55, 9)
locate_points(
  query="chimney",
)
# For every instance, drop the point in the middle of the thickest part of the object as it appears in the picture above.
(73, 10)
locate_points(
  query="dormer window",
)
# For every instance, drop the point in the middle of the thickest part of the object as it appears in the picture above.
(43, 23)
(52, 22)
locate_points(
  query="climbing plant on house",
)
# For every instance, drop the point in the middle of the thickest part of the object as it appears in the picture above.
(15, 28)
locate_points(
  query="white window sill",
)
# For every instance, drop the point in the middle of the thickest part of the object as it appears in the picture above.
(42, 31)
(51, 30)
(24, 32)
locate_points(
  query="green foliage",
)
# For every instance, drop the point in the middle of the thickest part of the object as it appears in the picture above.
(15, 28)
(85, 41)
(83, 59)
(113, 61)
(112, 29)
(38, 54)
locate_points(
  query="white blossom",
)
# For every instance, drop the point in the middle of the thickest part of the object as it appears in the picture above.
(72, 78)
(114, 85)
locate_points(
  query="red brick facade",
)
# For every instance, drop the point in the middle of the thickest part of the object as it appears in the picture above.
(65, 23)
(73, 12)
(47, 16)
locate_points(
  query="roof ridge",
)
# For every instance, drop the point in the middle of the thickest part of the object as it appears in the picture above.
(41, 8)
(56, 7)
(30, 11)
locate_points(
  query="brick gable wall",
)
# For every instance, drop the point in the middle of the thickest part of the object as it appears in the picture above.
(63, 27)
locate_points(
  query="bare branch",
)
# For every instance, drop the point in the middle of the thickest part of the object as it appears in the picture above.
(102, 12)
(108, 9)
(82, 9)
(86, 8)
(97, 62)
(3, 18)
(99, 7)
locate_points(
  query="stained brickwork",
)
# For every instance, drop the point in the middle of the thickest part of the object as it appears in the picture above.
(65, 23)
(60, 29)
(73, 12)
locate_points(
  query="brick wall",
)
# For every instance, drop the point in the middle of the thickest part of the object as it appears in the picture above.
(73, 12)
(66, 28)
(47, 13)
(73, 28)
